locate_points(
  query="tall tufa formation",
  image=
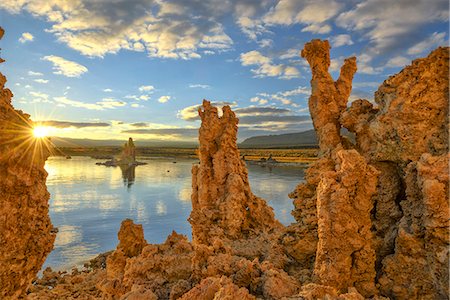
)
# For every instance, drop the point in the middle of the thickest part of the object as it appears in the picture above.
(128, 155)
(379, 210)
(223, 206)
(26, 233)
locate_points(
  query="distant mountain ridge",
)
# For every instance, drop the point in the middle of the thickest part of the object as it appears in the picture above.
(299, 139)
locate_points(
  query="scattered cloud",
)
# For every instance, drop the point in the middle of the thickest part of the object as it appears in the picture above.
(177, 132)
(200, 86)
(107, 90)
(39, 97)
(146, 88)
(26, 37)
(106, 103)
(392, 25)
(163, 99)
(341, 40)
(190, 113)
(260, 111)
(176, 29)
(31, 73)
(398, 61)
(140, 124)
(317, 28)
(433, 41)
(40, 80)
(68, 68)
(136, 105)
(68, 124)
(265, 66)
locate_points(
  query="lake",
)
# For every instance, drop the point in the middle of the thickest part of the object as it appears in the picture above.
(88, 202)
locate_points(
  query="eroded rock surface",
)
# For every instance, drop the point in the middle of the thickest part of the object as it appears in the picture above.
(372, 217)
(26, 233)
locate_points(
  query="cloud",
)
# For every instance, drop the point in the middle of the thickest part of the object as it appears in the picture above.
(397, 61)
(433, 41)
(163, 99)
(26, 37)
(341, 40)
(31, 73)
(200, 86)
(39, 97)
(260, 111)
(393, 25)
(68, 124)
(176, 132)
(140, 124)
(313, 13)
(136, 105)
(259, 100)
(190, 113)
(111, 103)
(317, 28)
(62, 66)
(265, 66)
(107, 90)
(106, 103)
(176, 29)
(146, 88)
(40, 80)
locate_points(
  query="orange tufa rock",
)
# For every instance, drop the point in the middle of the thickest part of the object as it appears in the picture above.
(372, 217)
(26, 233)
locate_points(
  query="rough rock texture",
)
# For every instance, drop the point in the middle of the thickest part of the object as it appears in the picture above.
(26, 233)
(223, 206)
(372, 217)
(128, 154)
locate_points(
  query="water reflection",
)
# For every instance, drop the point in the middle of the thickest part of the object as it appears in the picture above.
(88, 202)
(128, 175)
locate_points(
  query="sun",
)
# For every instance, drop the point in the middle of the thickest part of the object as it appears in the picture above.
(41, 131)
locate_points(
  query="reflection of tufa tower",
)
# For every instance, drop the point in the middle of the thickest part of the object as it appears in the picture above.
(129, 152)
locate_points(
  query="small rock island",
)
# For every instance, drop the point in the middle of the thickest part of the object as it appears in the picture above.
(127, 157)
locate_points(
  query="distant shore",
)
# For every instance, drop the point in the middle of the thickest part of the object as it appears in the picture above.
(304, 156)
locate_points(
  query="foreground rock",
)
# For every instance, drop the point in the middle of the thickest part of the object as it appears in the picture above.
(371, 219)
(26, 233)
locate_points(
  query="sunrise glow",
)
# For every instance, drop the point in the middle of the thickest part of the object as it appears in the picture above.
(41, 131)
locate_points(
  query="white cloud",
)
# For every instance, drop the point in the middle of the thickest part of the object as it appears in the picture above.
(146, 88)
(106, 103)
(435, 40)
(190, 113)
(62, 66)
(107, 90)
(26, 37)
(31, 73)
(317, 28)
(161, 28)
(40, 80)
(290, 53)
(136, 105)
(39, 97)
(200, 86)
(390, 25)
(398, 61)
(265, 66)
(259, 100)
(341, 40)
(163, 99)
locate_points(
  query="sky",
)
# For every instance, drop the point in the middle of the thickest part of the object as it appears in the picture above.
(112, 69)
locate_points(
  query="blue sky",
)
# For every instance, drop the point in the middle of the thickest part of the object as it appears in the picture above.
(113, 69)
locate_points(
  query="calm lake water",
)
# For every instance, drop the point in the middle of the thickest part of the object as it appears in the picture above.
(88, 202)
